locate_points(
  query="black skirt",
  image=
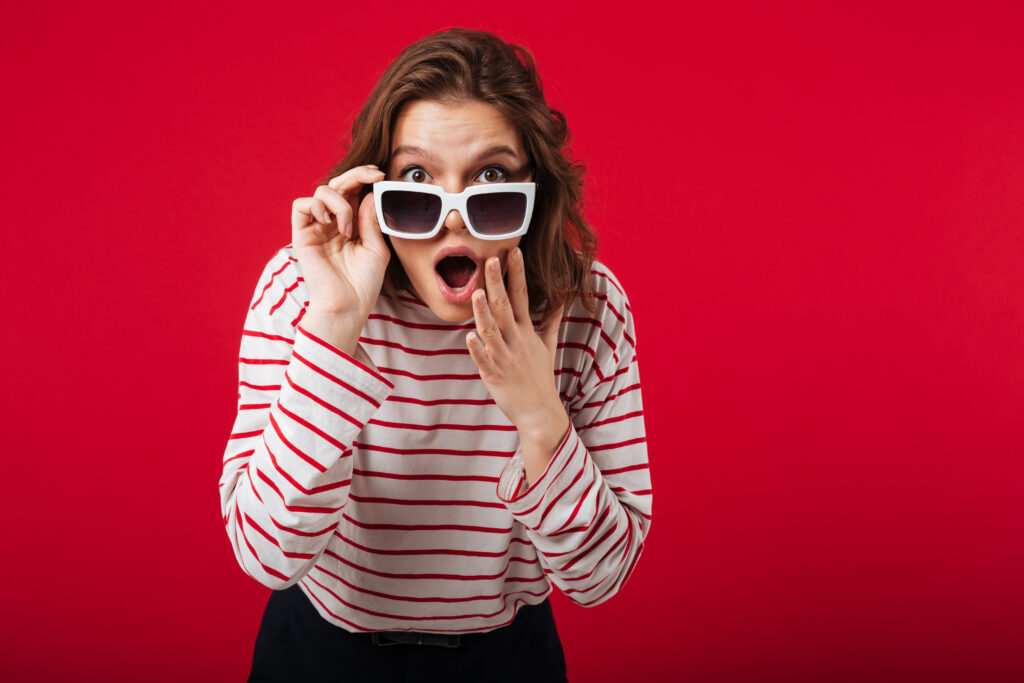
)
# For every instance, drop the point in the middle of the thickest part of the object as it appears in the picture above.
(296, 644)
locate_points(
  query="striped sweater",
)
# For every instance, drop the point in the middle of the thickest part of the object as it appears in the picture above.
(393, 493)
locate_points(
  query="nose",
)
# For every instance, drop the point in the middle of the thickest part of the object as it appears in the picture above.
(453, 221)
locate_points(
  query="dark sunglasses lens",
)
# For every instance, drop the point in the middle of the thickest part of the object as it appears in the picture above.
(413, 212)
(497, 213)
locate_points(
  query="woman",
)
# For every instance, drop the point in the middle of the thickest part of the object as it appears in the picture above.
(421, 449)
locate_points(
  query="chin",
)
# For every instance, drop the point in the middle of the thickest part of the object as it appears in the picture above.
(451, 313)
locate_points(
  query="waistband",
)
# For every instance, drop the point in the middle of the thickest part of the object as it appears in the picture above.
(448, 640)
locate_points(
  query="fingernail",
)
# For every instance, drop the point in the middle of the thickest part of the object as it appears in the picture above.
(327, 217)
(518, 254)
(348, 229)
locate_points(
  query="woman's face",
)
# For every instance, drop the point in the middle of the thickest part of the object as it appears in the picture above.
(453, 146)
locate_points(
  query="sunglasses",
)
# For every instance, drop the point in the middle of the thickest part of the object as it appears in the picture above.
(417, 211)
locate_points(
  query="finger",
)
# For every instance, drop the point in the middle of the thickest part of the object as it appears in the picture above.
(351, 181)
(517, 291)
(487, 326)
(367, 228)
(307, 210)
(500, 305)
(337, 206)
(311, 224)
(479, 354)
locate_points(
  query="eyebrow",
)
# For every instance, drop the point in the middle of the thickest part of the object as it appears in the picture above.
(496, 150)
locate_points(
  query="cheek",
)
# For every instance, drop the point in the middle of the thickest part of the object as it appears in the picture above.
(415, 259)
(506, 249)
(501, 247)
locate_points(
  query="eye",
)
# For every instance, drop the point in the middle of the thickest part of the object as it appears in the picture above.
(493, 174)
(414, 174)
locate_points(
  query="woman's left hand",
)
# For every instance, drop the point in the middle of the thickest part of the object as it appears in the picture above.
(516, 362)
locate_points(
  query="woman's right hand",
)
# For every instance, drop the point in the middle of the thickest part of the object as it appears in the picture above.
(342, 256)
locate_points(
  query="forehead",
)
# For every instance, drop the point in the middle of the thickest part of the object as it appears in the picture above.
(454, 129)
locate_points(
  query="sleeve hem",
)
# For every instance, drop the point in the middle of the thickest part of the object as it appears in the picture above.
(511, 477)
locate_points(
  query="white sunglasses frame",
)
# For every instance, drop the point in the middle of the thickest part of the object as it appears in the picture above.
(451, 201)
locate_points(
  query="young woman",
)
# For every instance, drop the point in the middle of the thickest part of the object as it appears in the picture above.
(439, 403)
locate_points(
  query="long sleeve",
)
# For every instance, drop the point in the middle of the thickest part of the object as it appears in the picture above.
(288, 463)
(589, 513)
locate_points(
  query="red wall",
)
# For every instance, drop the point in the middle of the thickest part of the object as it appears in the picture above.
(818, 215)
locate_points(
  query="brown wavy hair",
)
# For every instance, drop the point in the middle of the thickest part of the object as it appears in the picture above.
(458, 65)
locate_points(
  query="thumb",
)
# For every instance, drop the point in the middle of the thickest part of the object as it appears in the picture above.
(369, 229)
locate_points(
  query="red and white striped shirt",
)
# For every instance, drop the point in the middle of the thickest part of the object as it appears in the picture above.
(392, 494)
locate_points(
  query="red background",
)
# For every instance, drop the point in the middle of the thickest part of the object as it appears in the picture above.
(818, 216)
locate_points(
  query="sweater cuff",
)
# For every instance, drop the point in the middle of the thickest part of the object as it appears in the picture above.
(565, 469)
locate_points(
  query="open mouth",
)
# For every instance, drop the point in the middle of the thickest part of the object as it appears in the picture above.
(456, 271)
